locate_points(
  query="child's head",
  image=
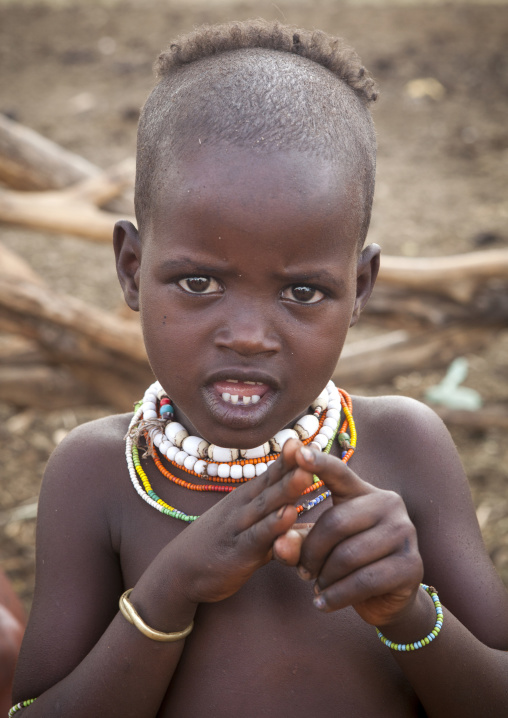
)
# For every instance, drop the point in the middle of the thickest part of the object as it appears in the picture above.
(254, 187)
(262, 87)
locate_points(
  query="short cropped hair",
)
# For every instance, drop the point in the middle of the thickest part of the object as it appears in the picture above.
(259, 85)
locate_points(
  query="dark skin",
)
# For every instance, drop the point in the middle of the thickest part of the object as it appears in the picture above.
(284, 609)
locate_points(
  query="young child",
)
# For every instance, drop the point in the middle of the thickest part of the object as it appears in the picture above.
(255, 176)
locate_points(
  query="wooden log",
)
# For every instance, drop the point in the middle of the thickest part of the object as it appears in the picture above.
(101, 350)
(397, 306)
(13, 266)
(456, 276)
(70, 211)
(495, 416)
(43, 387)
(29, 161)
(36, 308)
(19, 351)
(380, 359)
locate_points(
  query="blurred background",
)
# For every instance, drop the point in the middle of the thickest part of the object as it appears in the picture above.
(78, 71)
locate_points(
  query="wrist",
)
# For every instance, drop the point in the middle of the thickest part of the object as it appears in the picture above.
(166, 612)
(416, 620)
(159, 597)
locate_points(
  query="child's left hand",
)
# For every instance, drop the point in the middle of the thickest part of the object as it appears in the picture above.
(362, 551)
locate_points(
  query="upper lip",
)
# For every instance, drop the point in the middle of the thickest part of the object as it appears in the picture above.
(243, 374)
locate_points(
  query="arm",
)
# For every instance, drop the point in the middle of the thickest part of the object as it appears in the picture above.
(80, 656)
(363, 552)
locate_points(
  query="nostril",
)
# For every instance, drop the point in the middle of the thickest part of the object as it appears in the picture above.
(248, 338)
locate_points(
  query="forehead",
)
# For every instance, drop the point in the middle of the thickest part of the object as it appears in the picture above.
(276, 193)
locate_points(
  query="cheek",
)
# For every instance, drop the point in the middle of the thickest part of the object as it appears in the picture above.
(170, 339)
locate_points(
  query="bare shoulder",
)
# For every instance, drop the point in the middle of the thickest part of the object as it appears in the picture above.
(82, 478)
(89, 454)
(401, 413)
(94, 438)
(403, 438)
(407, 447)
(86, 470)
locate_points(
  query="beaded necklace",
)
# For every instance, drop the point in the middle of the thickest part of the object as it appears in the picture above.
(227, 468)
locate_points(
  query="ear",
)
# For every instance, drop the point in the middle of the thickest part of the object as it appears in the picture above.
(127, 246)
(366, 274)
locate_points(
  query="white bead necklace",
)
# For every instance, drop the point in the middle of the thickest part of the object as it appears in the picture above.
(196, 455)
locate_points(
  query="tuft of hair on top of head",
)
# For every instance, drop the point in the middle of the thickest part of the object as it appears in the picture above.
(326, 50)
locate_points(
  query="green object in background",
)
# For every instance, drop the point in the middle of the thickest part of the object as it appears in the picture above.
(449, 393)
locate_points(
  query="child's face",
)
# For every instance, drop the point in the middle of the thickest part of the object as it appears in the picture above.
(248, 285)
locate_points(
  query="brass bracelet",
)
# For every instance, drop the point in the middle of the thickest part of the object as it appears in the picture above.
(130, 613)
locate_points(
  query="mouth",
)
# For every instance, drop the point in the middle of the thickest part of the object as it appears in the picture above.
(240, 398)
(235, 391)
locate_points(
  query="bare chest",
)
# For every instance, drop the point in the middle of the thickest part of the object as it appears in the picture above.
(266, 651)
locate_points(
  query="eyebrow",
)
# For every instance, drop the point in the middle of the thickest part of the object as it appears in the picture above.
(190, 264)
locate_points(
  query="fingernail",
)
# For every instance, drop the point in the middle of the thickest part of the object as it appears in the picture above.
(307, 454)
(280, 512)
(319, 602)
(317, 590)
(303, 573)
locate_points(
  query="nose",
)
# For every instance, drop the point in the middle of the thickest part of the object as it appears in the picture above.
(248, 329)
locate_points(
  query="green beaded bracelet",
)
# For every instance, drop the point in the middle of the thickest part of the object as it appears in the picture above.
(20, 706)
(429, 637)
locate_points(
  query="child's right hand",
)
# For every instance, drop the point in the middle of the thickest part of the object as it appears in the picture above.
(218, 553)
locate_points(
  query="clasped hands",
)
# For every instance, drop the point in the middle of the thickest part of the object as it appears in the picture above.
(361, 551)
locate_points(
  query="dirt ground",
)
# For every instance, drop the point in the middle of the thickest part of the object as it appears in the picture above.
(78, 73)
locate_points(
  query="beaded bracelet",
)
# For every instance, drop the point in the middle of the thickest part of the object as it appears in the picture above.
(429, 637)
(20, 706)
(130, 613)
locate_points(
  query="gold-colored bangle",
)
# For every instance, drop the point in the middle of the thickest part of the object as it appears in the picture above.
(130, 613)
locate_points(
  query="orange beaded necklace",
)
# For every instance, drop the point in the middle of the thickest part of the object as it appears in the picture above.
(140, 426)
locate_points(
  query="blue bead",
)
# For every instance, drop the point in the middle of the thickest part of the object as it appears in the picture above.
(166, 409)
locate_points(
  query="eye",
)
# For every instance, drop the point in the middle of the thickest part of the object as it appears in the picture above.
(303, 294)
(199, 285)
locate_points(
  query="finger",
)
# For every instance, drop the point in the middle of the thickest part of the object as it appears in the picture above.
(272, 497)
(285, 463)
(260, 537)
(334, 526)
(382, 578)
(339, 478)
(287, 547)
(361, 550)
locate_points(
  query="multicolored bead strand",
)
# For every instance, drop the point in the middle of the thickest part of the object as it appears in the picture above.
(429, 637)
(146, 413)
(20, 706)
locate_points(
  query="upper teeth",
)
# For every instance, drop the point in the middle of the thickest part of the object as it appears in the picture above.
(234, 398)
